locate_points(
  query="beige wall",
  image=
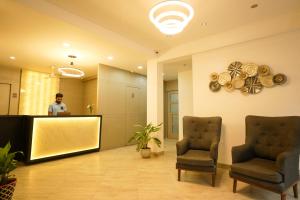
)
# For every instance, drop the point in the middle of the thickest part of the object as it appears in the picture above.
(78, 94)
(12, 76)
(122, 102)
(168, 86)
(90, 95)
(280, 52)
(72, 90)
(185, 97)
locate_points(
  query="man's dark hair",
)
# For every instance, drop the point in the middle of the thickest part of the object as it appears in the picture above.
(59, 95)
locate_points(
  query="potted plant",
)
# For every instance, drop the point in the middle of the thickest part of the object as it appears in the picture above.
(7, 164)
(143, 136)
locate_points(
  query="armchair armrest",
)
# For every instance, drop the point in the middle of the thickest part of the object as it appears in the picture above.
(242, 153)
(288, 164)
(214, 147)
(182, 146)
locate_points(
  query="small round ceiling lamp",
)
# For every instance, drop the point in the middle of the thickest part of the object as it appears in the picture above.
(172, 16)
(71, 71)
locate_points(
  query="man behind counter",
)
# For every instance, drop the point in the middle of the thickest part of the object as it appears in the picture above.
(58, 107)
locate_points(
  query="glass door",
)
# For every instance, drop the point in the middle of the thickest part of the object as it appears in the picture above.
(173, 115)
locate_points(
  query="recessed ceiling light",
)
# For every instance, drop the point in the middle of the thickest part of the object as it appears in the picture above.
(65, 44)
(110, 57)
(140, 67)
(12, 57)
(254, 6)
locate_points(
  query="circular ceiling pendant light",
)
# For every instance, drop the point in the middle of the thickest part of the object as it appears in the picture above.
(172, 16)
(71, 71)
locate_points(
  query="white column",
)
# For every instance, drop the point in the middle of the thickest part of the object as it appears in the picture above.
(155, 100)
(185, 97)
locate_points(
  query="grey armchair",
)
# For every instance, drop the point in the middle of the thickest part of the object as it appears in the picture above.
(270, 156)
(198, 150)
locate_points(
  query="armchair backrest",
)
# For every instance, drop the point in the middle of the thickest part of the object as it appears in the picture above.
(201, 131)
(270, 136)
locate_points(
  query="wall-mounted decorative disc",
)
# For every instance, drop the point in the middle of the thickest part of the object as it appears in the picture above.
(266, 81)
(254, 85)
(238, 82)
(279, 79)
(214, 86)
(243, 75)
(235, 68)
(229, 87)
(214, 76)
(263, 70)
(250, 69)
(244, 91)
(224, 78)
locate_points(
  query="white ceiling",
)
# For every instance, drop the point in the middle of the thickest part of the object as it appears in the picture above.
(130, 17)
(34, 30)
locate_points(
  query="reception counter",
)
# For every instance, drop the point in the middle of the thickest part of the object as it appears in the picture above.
(43, 138)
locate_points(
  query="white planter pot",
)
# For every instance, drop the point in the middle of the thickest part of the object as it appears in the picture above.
(146, 153)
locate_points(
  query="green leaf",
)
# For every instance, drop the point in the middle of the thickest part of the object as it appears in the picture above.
(7, 162)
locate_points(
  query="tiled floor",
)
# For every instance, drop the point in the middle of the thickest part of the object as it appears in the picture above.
(122, 174)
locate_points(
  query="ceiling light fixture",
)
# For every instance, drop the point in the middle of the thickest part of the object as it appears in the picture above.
(110, 57)
(12, 57)
(65, 44)
(140, 67)
(254, 6)
(169, 17)
(71, 71)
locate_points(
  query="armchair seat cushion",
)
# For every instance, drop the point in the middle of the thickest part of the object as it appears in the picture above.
(258, 168)
(196, 158)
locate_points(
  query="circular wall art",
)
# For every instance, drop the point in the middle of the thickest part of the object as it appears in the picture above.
(224, 78)
(214, 76)
(249, 78)
(235, 69)
(263, 70)
(250, 69)
(238, 82)
(279, 79)
(253, 85)
(267, 81)
(214, 86)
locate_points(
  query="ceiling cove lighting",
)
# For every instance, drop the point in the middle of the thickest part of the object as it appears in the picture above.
(172, 16)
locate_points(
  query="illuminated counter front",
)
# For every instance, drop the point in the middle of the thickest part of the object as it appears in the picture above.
(55, 137)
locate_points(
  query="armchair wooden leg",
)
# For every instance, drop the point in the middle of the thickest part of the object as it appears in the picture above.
(283, 196)
(179, 170)
(234, 185)
(295, 188)
(213, 179)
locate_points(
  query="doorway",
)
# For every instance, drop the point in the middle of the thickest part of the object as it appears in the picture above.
(5, 90)
(172, 103)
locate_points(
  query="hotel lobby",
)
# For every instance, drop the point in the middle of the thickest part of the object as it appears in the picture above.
(149, 99)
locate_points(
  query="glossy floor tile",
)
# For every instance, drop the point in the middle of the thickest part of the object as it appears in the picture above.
(122, 174)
